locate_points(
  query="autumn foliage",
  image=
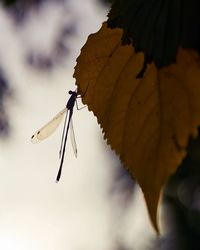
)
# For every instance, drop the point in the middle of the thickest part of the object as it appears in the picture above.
(147, 120)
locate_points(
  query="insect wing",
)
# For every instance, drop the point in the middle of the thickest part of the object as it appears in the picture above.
(49, 128)
(73, 140)
(63, 135)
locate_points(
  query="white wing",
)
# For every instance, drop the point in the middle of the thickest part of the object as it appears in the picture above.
(72, 135)
(49, 128)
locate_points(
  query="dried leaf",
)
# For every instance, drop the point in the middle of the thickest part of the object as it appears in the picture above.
(147, 121)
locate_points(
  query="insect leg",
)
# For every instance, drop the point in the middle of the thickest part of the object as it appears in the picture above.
(78, 106)
(82, 95)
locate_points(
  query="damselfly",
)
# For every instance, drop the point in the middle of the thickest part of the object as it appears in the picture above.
(51, 126)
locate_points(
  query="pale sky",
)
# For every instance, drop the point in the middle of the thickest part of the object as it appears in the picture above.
(78, 213)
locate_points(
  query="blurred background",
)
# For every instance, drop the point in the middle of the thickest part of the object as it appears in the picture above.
(96, 205)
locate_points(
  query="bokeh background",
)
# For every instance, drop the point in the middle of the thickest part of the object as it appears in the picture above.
(96, 205)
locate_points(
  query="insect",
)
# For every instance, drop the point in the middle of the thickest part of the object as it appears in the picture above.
(51, 126)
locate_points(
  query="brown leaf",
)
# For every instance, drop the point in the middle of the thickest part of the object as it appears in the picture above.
(146, 121)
